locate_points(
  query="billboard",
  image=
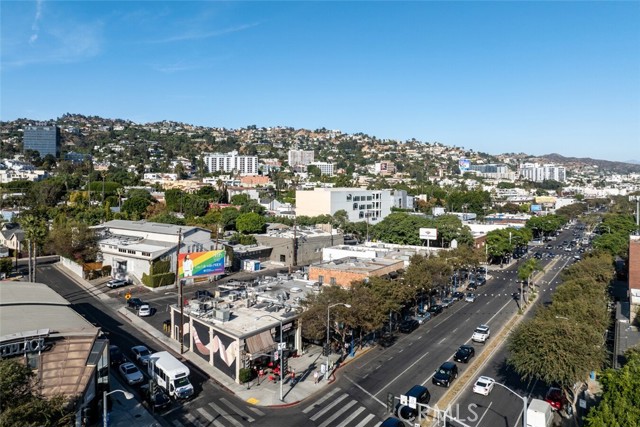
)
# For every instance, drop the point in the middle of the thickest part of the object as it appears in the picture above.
(201, 263)
(464, 165)
(428, 234)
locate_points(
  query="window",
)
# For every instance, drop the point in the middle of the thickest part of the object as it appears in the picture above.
(369, 198)
(146, 253)
(332, 281)
(348, 197)
(362, 207)
(361, 215)
(355, 206)
(356, 198)
(321, 279)
(283, 258)
(369, 206)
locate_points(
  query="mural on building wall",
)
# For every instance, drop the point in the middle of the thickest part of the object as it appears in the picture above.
(201, 263)
(224, 349)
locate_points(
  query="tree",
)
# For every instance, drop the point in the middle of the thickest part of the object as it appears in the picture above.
(135, 207)
(250, 223)
(228, 218)
(35, 231)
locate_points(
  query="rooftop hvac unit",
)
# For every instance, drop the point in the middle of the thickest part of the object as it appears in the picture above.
(223, 314)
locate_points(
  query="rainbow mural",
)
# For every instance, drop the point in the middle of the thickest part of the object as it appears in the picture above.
(201, 263)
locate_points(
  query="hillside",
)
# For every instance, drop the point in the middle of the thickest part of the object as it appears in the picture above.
(617, 167)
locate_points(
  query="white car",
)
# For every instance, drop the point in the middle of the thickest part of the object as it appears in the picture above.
(130, 373)
(470, 297)
(116, 283)
(144, 310)
(481, 334)
(483, 385)
(141, 354)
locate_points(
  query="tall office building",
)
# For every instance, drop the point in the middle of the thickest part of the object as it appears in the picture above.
(43, 139)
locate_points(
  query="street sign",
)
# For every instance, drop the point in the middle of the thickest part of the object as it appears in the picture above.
(282, 345)
(403, 400)
(428, 233)
(413, 402)
(582, 403)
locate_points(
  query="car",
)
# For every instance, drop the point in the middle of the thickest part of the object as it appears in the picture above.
(160, 399)
(537, 255)
(202, 293)
(471, 297)
(421, 394)
(130, 373)
(141, 354)
(116, 357)
(447, 302)
(435, 309)
(472, 287)
(423, 317)
(481, 334)
(392, 422)
(481, 280)
(135, 303)
(483, 385)
(144, 310)
(457, 296)
(116, 283)
(556, 398)
(464, 353)
(445, 374)
(408, 325)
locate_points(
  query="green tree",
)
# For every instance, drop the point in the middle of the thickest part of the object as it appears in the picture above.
(6, 266)
(135, 207)
(250, 223)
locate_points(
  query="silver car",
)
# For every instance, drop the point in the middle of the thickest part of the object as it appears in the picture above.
(130, 373)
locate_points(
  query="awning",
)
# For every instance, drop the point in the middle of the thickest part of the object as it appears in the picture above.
(261, 343)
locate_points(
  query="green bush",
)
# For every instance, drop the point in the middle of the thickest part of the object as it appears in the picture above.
(157, 280)
(246, 375)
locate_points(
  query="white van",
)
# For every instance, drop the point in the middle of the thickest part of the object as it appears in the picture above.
(539, 414)
(170, 374)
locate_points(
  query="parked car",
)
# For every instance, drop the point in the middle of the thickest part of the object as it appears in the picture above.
(141, 354)
(481, 334)
(481, 280)
(408, 325)
(144, 310)
(471, 297)
(160, 399)
(135, 303)
(483, 385)
(392, 422)
(116, 358)
(446, 302)
(556, 398)
(457, 296)
(445, 375)
(464, 353)
(422, 395)
(423, 317)
(435, 309)
(116, 283)
(472, 287)
(130, 373)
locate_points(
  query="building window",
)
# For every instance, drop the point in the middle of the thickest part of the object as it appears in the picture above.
(356, 198)
(283, 258)
(369, 198)
(348, 197)
(362, 207)
(361, 215)
(146, 254)
(355, 206)
(332, 281)
(321, 279)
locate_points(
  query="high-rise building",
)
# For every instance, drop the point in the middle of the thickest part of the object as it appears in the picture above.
(231, 162)
(538, 173)
(43, 139)
(300, 157)
(325, 168)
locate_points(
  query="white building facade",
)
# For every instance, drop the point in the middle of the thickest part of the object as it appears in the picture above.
(538, 173)
(325, 168)
(231, 162)
(300, 157)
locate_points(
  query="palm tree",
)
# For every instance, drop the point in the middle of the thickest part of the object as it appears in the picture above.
(35, 231)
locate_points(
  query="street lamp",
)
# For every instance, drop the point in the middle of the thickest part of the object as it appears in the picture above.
(524, 402)
(127, 395)
(279, 352)
(328, 332)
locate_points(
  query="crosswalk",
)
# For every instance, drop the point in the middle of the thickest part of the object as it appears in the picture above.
(335, 409)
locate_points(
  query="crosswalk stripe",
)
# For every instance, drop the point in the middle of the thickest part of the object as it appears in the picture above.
(328, 408)
(209, 417)
(193, 420)
(319, 402)
(353, 416)
(238, 410)
(338, 413)
(257, 411)
(222, 414)
(365, 421)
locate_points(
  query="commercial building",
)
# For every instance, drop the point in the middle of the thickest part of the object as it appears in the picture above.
(231, 162)
(360, 204)
(43, 139)
(634, 269)
(343, 272)
(325, 168)
(39, 327)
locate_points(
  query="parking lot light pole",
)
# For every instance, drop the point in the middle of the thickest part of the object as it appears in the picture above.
(524, 403)
(279, 353)
(328, 330)
(127, 395)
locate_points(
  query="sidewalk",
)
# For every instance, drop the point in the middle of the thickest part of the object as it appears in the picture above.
(127, 413)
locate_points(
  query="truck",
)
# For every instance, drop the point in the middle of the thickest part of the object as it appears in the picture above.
(170, 374)
(539, 414)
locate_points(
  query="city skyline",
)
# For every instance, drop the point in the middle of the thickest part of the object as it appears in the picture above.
(494, 77)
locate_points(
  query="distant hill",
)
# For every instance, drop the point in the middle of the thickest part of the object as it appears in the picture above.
(618, 167)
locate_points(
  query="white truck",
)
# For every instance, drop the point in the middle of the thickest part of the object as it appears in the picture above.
(539, 414)
(170, 374)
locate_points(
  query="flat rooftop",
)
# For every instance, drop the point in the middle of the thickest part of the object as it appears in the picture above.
(357, 265)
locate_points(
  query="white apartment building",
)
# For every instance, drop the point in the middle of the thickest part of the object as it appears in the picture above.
(300, 157)
(231, 162)
(325, 168)
(538, 173)
(360, 204)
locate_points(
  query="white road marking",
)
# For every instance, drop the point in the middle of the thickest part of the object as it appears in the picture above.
(338, 413)
(220, 411)
(238, 410)
(319, 402)
(353, 416)
(329, 407)
(401, 373)
(485, 413)
(369, 394)
(366, 420)
(209, 417)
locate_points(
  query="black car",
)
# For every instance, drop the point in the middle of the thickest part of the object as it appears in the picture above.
(421, 394)
(464, 353)
(408, 325)
(116, 357)
(135, 303)
(457, 295)
(435, 309)
(392, 422)
(160, 399)
(481, 280)
(472, 287)
(445, 375)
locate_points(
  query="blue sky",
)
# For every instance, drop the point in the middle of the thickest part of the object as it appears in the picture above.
(534, 77)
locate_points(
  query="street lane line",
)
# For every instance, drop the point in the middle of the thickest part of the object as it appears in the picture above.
(401, 373)
(485, 413)
(442, 340)
(344, 409)
(329, 407)
(353, 416)
(370, 395)
(209, 417)
(257, 411)
(365, 421)
(238, 410)
(222, 413)
(321, 401)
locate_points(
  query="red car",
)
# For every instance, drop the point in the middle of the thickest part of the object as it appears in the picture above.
(556, 398)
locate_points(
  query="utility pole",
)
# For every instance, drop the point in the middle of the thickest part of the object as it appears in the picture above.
(295, 240)
(179, 283)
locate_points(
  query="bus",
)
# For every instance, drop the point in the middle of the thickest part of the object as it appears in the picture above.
(170, 374)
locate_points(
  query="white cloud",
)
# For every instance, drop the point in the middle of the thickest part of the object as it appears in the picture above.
(35, 27)
(198, 35)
